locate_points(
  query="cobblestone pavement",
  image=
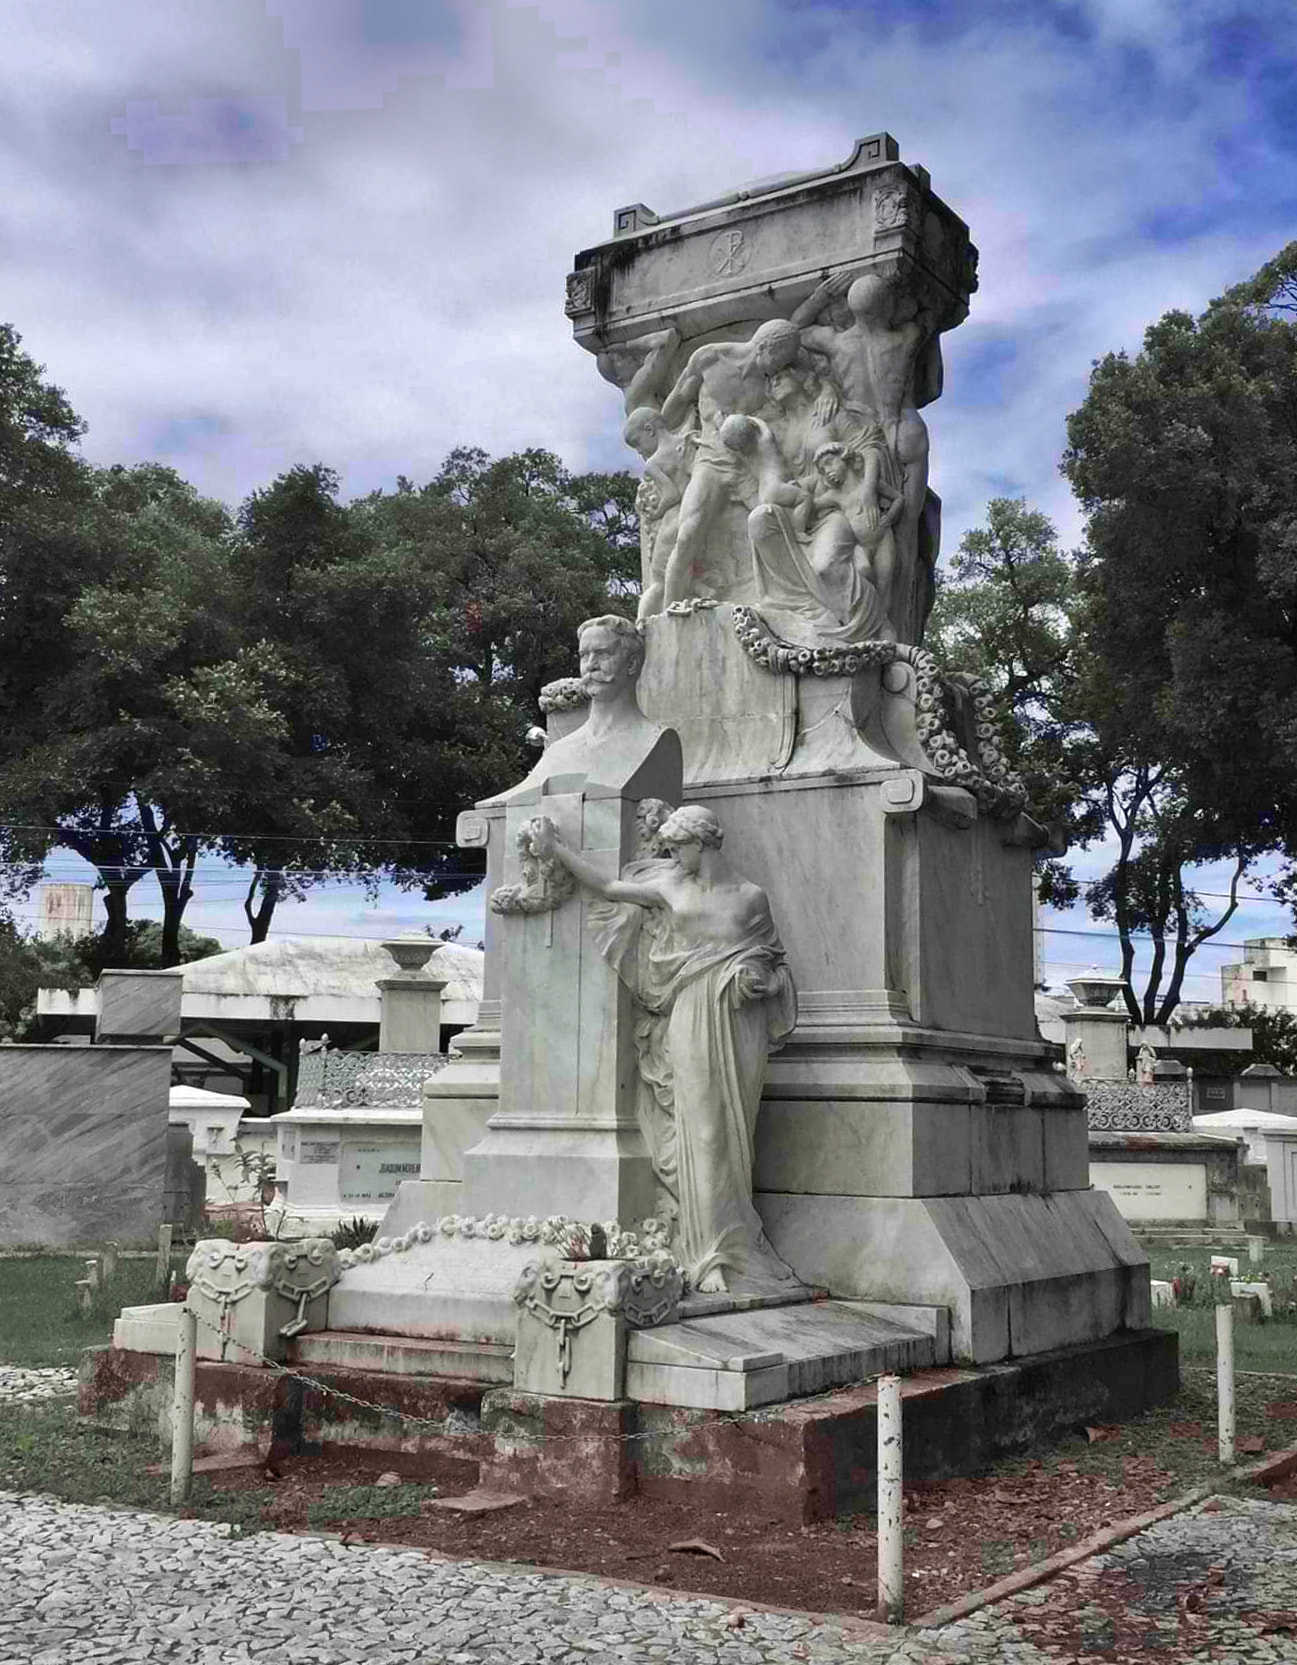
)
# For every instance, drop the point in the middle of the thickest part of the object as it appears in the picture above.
(19, 1383)
(81, 1584)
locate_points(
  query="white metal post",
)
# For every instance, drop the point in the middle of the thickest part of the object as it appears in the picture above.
(182, 1408)
(1225, 1380)
(891, 1588)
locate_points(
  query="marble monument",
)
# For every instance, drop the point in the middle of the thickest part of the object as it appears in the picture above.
(755, 1104)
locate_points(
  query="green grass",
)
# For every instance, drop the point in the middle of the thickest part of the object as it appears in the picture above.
(1269, 1346)
(339, 1504)
(45, 1451)
(40, 1323)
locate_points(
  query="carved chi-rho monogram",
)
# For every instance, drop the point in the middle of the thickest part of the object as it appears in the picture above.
(730, 253)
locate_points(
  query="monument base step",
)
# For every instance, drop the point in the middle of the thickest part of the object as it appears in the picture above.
(400, 1355)
(1189, 1236)
(736, 1361)
(803, 1459)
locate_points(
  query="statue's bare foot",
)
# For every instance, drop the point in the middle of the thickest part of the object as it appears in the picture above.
(713, 1283)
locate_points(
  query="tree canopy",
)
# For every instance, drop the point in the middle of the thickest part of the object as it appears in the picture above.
(1154, 671)
(309, 688)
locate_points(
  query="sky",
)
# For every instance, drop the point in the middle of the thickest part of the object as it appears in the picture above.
(249, 234)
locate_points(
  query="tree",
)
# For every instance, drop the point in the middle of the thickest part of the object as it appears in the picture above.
(1007, 610)
(1091, 742)
(29, 963)
(130, 596)
(1185, 461)
(1274, 1036)
(516, 552)
(312, 691)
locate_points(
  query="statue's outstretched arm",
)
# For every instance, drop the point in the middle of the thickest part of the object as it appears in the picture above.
(548, 842)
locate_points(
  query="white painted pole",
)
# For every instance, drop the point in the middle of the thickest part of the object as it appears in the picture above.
(1225, 1380)
(891, 1588)
(182, 1408)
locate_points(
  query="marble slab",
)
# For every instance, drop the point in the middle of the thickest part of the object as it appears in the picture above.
(743, 1359)
(83, 1143)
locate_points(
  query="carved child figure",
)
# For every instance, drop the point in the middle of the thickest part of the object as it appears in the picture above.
(667, 460)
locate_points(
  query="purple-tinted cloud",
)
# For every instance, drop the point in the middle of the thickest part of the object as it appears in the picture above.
(355, 52)
(212, 130)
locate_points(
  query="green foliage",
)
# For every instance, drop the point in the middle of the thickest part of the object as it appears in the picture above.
(351, 1234)
(343, 1504)
(40, 1322)
(27, 963)
(313, 689)
(1007, 610)
(1155, 673)
(1274, 1032)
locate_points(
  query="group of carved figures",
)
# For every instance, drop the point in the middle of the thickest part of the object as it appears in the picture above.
(811, 427)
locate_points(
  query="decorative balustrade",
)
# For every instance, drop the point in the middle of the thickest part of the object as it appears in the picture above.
(335, 1080)
(1123, 1107)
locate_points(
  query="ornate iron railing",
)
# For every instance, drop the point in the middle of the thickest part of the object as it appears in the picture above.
(1123, 1107)
(329, 1080)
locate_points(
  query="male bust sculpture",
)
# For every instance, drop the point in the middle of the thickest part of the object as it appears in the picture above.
(617, 750)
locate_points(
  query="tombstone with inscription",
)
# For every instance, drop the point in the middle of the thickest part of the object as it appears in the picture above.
(1169, 1179)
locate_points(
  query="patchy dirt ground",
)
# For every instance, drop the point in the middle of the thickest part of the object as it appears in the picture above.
(960, 1534)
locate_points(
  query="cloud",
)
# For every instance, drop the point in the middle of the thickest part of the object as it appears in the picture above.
(212, 130)
(278, 231)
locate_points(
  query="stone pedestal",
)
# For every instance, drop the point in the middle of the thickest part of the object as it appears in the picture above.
(1103, 1038)
(251, 1299)
(564, 1138)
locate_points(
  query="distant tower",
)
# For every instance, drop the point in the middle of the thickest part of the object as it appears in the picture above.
(65, 911)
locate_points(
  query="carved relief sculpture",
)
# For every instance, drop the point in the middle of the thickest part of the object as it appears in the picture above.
(720, 380)
(695, 943)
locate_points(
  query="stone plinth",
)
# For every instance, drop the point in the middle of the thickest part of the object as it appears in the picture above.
(803, 1461)
(1103, 1040)
(1188, 1179)
(564, 1137)
(138, 1005)
(332, 1164)
(410, 1001)
(251, 1299)
(573, 1321)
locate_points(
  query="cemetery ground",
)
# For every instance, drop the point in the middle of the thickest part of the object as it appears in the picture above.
(961, 1534)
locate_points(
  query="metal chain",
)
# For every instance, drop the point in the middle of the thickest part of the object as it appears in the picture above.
(728, 1419)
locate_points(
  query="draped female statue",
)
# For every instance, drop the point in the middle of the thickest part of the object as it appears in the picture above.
(695, 943)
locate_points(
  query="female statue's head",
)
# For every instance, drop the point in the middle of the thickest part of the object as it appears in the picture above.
(691, 828)
(651, 815)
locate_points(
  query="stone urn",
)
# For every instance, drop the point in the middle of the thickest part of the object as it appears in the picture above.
(1096, 989)
(411, 953)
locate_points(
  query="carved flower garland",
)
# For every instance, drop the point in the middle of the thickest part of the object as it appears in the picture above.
(566, 694)
(647, 1247)
(989, 778)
